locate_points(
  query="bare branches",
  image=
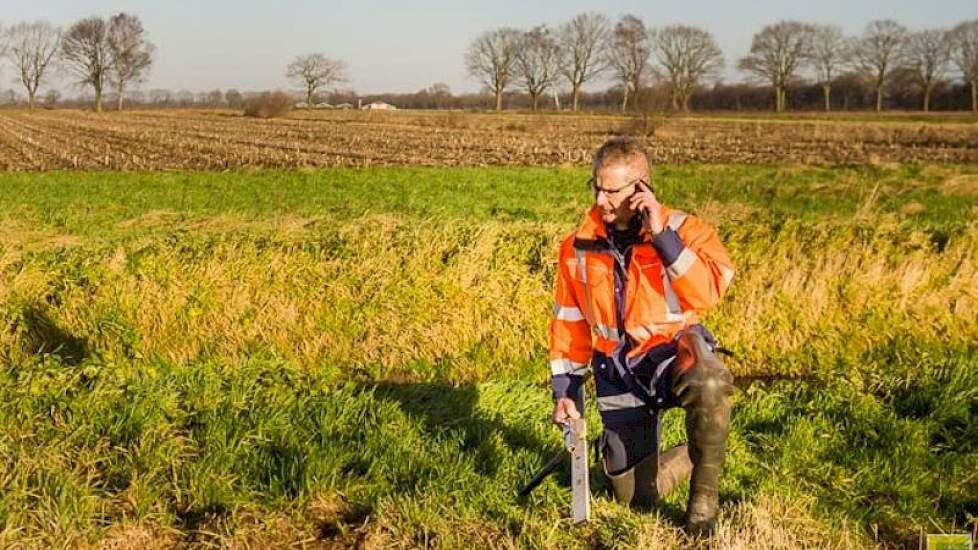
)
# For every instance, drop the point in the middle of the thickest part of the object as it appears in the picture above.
(538, 62)
(491, 58)
(829, 50)
(130, 52)
(928, 54)
(583, 40)
(314, 72)
(85, 51)
(628, 54)
(880, 51)
(30, 48)
(964, 52)
(686, 56)
(776, 54)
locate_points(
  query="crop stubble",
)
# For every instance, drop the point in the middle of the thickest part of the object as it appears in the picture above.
(207, 139)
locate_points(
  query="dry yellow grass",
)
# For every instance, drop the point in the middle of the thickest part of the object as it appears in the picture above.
(362, 294)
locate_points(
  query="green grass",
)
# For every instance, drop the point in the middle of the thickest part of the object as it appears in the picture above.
(94, 203)
(358, 356)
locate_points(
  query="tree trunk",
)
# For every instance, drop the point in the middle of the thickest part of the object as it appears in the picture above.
(535, 99)
(624, 99)
(121, 95)
(499, 100)
(675, 98)
(927, 89)
(575, 91)
(879, 98)
(685, 103)
(30, 99)
(98, 100)
(827, 92)
(310, 90)
(974, 96)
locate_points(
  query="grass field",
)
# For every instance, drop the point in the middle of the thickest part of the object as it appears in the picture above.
(357, 357)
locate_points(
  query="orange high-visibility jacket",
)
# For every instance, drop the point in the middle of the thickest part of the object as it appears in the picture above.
(661, 288)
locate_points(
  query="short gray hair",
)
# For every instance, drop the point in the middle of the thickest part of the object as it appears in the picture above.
(618, 149)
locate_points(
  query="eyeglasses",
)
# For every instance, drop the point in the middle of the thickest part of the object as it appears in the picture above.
(616, 193)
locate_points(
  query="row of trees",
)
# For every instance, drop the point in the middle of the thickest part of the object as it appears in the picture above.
(849, 92)
(98, 53)
(885, 51)
(683, 57)
(588, 47)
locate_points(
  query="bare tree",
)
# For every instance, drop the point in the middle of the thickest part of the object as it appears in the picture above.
(776, 54)
(233, 98)
(583, 40)
(215, 98)
(30, 48)
(51, 98)
(964, 51)
(928, 54)
(130, 52)
(315, 72)
(686, 56)
(829, 51)
(628, 52)
(160, 96)
(879, 51)
(538, 60)
(491, 58)
(85, 51)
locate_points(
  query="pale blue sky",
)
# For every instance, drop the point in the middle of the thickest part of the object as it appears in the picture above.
(404, 46)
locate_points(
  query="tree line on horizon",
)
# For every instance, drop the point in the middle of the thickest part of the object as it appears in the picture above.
(681, 58)
(673, 67)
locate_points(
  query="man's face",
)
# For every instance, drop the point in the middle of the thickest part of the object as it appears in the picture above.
(614, 185)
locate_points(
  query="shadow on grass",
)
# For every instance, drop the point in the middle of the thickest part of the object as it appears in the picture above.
(43, 335)
(440, 407)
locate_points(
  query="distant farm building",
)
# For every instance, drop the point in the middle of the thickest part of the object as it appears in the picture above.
(344, 106)
(379, 106)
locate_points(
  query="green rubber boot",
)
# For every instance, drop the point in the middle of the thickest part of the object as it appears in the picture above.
(636, 485)
(704, 388)
(674, 468)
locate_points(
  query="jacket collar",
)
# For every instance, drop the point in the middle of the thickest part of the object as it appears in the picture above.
(593, 232)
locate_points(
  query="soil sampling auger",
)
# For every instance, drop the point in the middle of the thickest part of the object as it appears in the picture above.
(575, 446)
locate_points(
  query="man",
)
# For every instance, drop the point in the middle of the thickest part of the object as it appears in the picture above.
(632, 282)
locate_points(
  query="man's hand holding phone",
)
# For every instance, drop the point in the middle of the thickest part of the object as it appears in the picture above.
(643, 201)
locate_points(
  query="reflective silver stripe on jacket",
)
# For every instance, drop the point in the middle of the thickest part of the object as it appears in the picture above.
(582, 273)
(565, 313)
(619, 402)
(606, 332)
(566, 366)
(682, 264)
(676, 220)
(727, 273)
(648, 331)
(674, 311)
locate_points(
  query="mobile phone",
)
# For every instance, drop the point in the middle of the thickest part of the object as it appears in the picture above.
(643, 212)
